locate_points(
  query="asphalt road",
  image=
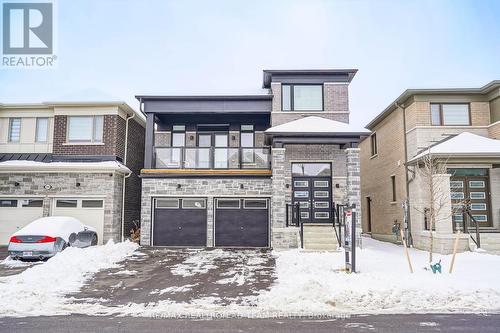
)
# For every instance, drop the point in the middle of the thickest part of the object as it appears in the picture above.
(379, 323)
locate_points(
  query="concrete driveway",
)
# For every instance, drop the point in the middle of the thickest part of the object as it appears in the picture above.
(13, 267)
(182, 275)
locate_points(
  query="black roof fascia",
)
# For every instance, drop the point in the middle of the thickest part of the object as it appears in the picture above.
(307, 76)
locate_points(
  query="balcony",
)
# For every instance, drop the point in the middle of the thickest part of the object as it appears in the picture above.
(212, 158)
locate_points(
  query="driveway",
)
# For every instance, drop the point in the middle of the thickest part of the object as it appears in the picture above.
(182, 275)
(12, 267)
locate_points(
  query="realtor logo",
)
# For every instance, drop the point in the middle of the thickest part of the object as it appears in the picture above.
(28, 34)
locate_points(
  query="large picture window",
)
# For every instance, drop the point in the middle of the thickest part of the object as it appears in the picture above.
(85, 129)
(450, 114)
(297, 97)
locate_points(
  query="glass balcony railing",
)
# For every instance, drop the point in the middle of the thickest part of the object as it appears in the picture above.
(212, 158)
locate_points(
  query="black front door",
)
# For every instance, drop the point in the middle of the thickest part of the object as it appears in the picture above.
(180, 222)
(314, 197)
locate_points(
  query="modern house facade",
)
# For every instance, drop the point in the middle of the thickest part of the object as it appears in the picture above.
(79, 159)
(456, 129)
(221, 171)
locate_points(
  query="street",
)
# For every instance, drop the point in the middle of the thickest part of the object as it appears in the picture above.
(378, 323)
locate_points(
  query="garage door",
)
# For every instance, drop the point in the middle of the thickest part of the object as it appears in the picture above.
(241, 222)
(89, 211)
(15, 213)
(180, 222)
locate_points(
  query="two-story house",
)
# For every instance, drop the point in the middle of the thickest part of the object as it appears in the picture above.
(220, 171)
(457, 129)
(79, 159)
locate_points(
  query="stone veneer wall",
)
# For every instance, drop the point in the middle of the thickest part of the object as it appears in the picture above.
(108, 185)
(197, 187)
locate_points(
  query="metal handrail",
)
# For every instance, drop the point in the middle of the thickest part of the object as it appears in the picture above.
(466, 213)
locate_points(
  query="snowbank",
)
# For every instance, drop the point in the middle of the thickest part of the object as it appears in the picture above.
(41, 289)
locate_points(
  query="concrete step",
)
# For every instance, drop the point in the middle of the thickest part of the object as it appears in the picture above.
(320, 238)
(321, 247)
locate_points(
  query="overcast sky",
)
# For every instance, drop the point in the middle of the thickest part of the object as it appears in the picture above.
(128, 47)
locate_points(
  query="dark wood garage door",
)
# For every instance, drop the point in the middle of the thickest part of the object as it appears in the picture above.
(241, 222)
(180, 222)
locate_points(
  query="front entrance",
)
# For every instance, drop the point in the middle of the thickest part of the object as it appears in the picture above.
(471, 186)
(312, 191)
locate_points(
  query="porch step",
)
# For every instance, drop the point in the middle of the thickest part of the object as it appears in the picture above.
(320, 238)
(490, 242)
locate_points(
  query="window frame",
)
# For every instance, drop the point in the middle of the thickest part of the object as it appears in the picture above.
(11, 121)
(441, 117)
(292, 97)
(37, 130)
(393, 188)
(93, 139)
(374, 144)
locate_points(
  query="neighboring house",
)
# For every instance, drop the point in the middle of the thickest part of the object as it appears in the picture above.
(62, 158)
(220, 170)
(457, 127)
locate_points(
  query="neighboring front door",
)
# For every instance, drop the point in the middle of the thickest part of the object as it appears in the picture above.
(312, 191)
(472, 189)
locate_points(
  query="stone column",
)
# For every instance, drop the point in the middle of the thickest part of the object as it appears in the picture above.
(353, 182)
(278, 211)
(442, 203)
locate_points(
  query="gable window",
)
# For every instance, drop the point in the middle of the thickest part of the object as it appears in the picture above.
(85, 129)
(450, 114)
(373, 143)
(42, 129)
(305, 97)
(14, 129)
(393, 187)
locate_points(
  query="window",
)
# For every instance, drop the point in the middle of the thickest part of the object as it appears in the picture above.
(92, 203)
(193, 203)
(66, 203)
(301, 194)
(304, 215)
(393, 184)
(14, 129)
(178, 139)
(32, 203)
(321, 194)
(373, 143)
(304, 204)
(321, 215)
(321, 183)
(167, 203)
(302, 97)
(311, 169)
(322, 204)
(8, 203)
(85, 129)
(450, 114)
(255, 203)
(247, 138)
(42, 129)
(228, 203)
(301, 183)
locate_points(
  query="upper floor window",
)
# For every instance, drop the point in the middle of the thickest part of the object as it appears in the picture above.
(296, 97)
(178, 136)
(14, 129)
(450, 114)
(393, 188)
(247, 136)
(373, 144)
(42, 129)
(85, 129)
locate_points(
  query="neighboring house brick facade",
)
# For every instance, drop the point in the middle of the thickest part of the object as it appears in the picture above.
(416, 121)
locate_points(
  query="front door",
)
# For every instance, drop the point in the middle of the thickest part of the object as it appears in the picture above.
(312, 191)
(472, 189)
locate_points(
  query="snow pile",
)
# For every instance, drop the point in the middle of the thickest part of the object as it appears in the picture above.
(41, 289)
(173, 290)
(312, 283)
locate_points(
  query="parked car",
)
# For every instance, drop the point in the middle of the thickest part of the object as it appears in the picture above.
(46, 236)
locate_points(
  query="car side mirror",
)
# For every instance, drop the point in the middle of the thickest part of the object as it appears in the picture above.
(72, 239)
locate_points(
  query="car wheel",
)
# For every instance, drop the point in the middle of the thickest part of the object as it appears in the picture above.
(94, 241)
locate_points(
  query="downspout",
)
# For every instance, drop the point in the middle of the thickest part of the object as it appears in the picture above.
(407, 178)
(125, 176)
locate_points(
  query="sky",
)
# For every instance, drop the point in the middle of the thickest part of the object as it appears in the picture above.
(122, 48)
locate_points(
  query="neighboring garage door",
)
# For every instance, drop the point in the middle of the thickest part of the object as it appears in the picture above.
(241, 222)
(90, 211)
(180, 222)
(15, 213)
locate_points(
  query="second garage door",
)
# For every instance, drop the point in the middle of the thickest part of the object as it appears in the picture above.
(241, 222)
(180, 222)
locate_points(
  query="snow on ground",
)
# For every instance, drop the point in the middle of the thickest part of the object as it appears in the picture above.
(181, 289)
(11, 263)
(41, 289)
(314, 283)
(124, 272)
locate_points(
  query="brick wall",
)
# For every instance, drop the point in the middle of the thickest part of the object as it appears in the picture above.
(114, 129)
(494, 131)
(376, 175)
(135, 162)
(480, 113)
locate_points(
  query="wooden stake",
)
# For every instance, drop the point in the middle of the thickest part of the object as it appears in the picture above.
(455, 246)
(406, 250)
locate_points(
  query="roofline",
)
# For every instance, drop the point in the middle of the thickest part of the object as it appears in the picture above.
(453, 156)
(267, 73)
(411, 92)
(320, 134)
(203, 97)
(47, 105)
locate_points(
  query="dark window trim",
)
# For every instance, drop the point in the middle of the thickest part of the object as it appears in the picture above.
(374, 144)
(248, 131)
(292, 106)
(441, 118)
(393, 186)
